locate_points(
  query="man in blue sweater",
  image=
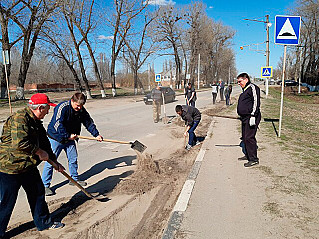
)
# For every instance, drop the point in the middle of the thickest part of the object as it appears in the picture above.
(63, 130)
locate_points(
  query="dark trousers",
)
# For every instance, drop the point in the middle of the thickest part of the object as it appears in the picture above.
(227, 99)
(249, 138)
(221, 94)
(33, 186)
(192, 137)
(214, 97)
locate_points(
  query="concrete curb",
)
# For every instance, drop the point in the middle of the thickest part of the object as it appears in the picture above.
(183, 199)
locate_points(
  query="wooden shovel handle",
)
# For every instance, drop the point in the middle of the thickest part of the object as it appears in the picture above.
(227, 116)
(55, 166)
(106, 140)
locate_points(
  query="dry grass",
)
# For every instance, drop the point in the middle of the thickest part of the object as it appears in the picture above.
(300, 127)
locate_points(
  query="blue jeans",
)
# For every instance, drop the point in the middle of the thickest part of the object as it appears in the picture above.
(192, 137)
(72, 155)
(227, 99)
(33, 186)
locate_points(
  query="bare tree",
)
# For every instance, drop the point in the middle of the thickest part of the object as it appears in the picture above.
(167, 31)
(5, 12)
(120, 22)
(29, 16)
(85, 24)
(72, 14)
(61, 47)
(136, 51)
(309, 41)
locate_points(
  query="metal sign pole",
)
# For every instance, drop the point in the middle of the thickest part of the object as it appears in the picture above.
(6, 73)
(282, 90)
(299, 82)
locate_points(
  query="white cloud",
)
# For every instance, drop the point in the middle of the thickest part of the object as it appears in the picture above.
(210, 7)
(160, 2)
(102, 37)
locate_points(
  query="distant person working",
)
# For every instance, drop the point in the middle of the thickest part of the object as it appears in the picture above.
(221, 86)
(192, 117)
(214, 91)
(190, 95)
(156, 96)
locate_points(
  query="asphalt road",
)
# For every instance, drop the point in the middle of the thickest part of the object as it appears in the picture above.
(120, 119)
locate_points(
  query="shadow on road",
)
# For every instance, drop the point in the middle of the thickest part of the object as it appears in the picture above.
(100, 167)
(102, 187)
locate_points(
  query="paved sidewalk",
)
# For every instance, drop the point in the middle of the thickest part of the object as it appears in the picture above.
(226, 201)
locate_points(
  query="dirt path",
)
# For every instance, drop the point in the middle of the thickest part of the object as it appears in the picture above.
(137, 207)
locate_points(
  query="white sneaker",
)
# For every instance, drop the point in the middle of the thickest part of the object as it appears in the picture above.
(188, 147)
(56, 225)
(197, 143)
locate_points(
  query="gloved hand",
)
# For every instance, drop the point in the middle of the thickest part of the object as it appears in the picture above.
(252, 121)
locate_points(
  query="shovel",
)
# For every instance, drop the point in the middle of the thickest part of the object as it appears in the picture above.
(136, 145)
(226, 116)
(97, 197)
(165, 118)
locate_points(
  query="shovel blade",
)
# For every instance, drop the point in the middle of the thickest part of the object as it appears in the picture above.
(136, 145)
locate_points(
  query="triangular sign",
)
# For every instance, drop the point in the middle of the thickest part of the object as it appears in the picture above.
(266, 72)
(287, 31)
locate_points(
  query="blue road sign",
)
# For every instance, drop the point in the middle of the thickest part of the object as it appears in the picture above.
(287, 30)
(157, 77)
(266, 71)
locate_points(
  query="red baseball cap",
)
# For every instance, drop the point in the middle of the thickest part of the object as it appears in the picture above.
(39, 98)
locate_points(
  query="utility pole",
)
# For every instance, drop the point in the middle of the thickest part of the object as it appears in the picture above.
(267, 53)
(268, 24)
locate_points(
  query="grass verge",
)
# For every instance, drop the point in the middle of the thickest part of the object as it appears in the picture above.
(300, 127)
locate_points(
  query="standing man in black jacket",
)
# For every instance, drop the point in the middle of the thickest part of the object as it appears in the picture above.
(192, 117)
(248, 109)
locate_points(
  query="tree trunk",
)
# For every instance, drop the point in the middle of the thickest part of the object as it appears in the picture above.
(113, 77)
(85, 80)
(76, 77)
(96, 69)
(135, 80)
(4, 90)
(5, 47)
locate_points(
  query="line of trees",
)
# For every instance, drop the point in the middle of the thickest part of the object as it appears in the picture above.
(303, 60)
(58, 41)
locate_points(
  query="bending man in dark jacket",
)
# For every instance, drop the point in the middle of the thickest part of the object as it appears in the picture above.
(248, 109)
(192, 117)
(24, 145)
(63, 129)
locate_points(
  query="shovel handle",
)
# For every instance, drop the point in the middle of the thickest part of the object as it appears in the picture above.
(227, 116)
(55, 166)
(106, 140)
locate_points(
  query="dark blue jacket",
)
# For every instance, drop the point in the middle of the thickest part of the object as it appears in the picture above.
(66, 121)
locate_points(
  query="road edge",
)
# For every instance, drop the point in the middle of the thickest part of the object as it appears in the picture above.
(180, 207)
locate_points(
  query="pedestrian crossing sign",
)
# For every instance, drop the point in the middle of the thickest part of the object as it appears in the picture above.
(158, 77)
(287, 30)
(266, 71)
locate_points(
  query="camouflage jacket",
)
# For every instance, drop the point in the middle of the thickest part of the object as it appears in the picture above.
(22, 136)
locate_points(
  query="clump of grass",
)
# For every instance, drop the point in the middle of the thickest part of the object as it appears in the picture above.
(272, 208)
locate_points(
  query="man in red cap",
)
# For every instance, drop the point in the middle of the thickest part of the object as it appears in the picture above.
(24, 145)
